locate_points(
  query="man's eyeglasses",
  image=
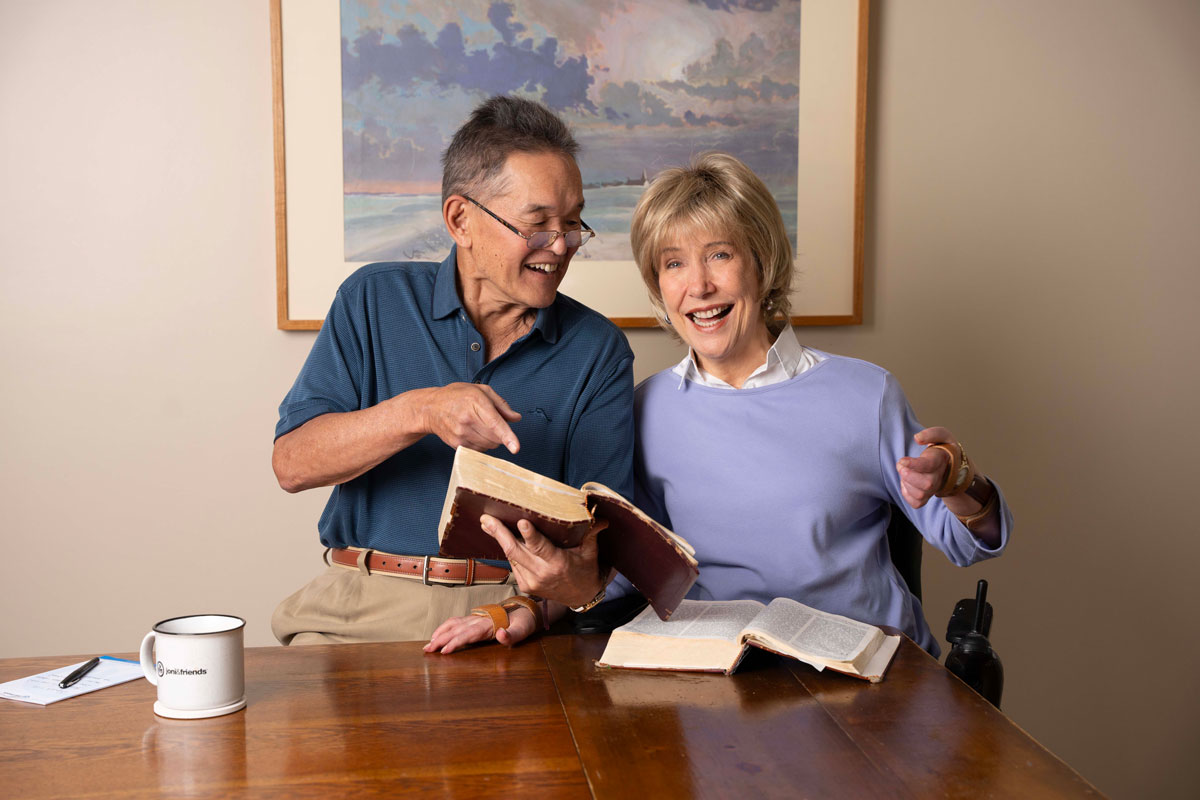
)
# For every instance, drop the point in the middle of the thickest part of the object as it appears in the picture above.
(543, 240)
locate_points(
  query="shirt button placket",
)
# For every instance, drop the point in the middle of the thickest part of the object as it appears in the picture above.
(475, 358)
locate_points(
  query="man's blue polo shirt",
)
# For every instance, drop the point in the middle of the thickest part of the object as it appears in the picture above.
(401, 325)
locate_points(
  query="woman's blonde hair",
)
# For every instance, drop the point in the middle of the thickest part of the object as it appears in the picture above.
(716, 192)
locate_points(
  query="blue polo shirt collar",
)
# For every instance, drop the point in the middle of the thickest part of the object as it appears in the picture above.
(547, 322)
(446, 301)
(445, 288)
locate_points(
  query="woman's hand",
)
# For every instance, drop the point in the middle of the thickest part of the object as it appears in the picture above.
(459, 632)
(921, 477)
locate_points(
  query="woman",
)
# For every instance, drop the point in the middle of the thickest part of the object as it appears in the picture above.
(779, 463)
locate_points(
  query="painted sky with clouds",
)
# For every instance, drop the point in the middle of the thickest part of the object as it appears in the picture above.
(644, 84)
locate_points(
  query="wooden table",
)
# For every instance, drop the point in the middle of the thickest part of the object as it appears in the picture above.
(537, 721)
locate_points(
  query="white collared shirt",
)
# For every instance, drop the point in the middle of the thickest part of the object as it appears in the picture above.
(786, 359)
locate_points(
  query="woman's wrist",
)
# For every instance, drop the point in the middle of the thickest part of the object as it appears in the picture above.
(532, 605)
(982, 519)
(972, 500)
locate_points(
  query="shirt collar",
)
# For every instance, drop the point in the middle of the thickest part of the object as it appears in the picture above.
(446, 301)
(786, 359)
(547, 321)
(445, 287)
(789, 352)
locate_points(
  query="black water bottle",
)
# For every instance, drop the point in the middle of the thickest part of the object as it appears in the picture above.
(972, 658)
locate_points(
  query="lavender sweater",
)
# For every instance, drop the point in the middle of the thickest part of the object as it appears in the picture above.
(785, 490)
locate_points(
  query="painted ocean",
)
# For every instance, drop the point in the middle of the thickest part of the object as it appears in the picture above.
(408, 227)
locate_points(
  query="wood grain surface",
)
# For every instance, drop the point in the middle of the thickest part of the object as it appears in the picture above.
(537, 721)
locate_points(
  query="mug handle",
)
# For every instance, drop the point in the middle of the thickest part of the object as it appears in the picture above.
(147, 659)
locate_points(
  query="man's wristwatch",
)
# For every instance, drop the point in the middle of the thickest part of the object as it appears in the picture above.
(595, 601)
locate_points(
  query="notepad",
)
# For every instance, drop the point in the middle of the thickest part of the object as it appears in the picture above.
(43, 690)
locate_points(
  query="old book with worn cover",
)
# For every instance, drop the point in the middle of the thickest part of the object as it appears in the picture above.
(714, 636)
(661, 565)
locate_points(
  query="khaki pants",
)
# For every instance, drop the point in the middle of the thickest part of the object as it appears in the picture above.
(345, 605)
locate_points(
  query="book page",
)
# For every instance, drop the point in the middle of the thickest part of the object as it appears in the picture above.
(703, 636)
(814, 633)
(502, 479)
(696, 619)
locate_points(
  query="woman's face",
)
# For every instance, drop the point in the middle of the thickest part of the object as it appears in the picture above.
(710, 289)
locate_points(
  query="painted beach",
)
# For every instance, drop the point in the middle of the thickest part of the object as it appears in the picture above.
(408, 227)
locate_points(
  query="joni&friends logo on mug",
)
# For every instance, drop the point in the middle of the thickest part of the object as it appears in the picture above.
(197, 664)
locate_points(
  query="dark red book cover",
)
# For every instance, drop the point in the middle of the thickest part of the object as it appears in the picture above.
(640, 549)
(644, 552)
(464, 538)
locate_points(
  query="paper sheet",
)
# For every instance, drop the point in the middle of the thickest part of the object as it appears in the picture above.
(43, 690)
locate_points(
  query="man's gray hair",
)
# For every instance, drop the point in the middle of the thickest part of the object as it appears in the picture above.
(496, 129)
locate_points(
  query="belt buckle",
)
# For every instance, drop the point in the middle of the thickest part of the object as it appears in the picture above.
(425, 573)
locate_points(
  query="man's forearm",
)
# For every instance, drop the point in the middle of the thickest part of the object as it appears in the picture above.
(337, 447)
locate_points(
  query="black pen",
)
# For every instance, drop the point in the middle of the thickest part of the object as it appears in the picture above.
(78, 674)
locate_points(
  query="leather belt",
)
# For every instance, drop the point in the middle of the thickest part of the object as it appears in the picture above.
(428, 570)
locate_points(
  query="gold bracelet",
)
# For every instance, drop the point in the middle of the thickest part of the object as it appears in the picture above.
(595, 601)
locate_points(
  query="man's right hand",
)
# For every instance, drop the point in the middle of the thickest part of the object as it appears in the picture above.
(337, 447)
(469, 415)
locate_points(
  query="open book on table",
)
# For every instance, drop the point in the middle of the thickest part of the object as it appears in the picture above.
(660, 564)
(713, 636)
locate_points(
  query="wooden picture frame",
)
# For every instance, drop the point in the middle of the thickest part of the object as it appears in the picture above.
(305, 54)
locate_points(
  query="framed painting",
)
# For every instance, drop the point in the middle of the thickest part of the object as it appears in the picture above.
(367, 94)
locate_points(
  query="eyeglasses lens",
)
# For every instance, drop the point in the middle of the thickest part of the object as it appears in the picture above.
(545, 239)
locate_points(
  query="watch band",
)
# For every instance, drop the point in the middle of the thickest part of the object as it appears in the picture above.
(981, 514)
(981, 490)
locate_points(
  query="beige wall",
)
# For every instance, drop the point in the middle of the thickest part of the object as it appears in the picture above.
(1032, 270)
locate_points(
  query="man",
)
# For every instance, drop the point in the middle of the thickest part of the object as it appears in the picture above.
(415, 359)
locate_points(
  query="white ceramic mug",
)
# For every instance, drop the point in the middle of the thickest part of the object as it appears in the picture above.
(197, 664)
